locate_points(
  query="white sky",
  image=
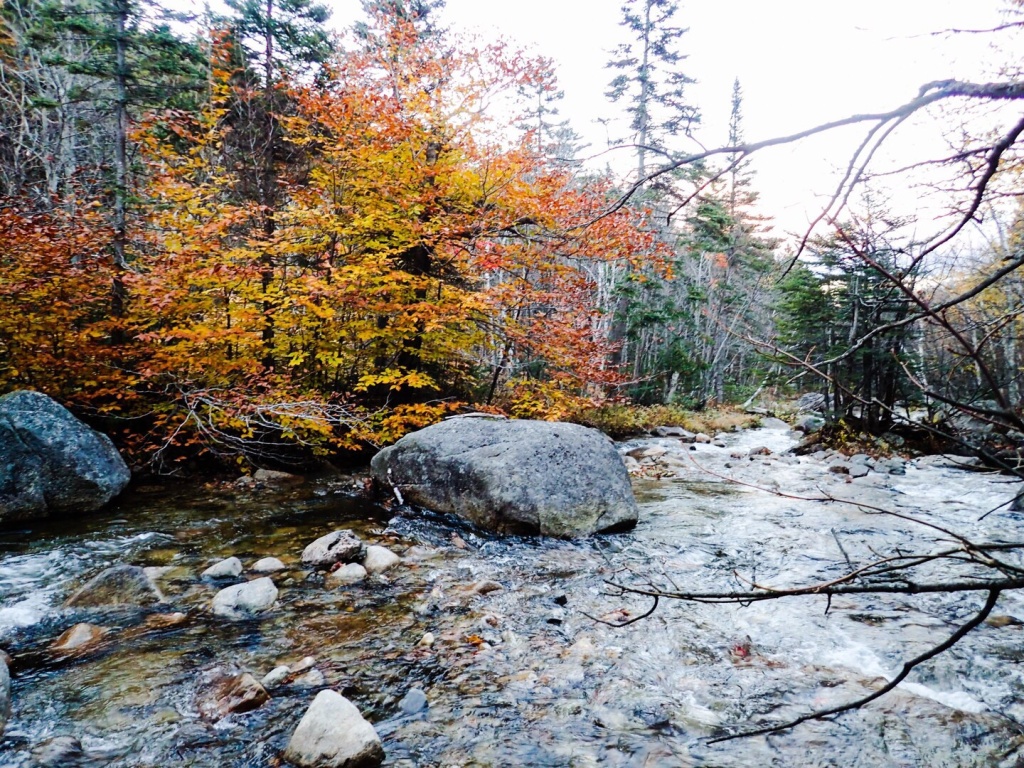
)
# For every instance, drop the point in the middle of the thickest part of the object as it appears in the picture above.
(800, 63)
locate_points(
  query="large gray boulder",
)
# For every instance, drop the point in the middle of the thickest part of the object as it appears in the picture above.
(513, 476)
(333, 734)
(51, 463)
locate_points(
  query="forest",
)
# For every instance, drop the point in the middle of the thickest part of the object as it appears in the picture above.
(248, 237)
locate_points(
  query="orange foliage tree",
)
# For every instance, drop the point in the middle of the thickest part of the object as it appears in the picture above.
(421, 259)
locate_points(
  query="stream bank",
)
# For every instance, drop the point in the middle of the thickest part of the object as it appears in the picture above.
(492, 634)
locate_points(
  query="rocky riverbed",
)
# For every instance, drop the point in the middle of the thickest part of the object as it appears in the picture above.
(474, 650)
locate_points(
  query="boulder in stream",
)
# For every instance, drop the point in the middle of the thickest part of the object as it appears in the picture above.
(245, 600)
(51, 463)
(513, 476)
(334, 547)
(114, 587)
(333, 734)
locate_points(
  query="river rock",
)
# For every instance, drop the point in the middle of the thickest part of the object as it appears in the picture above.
(275, 677)
(117, 586)
(414, 701)
(245, 600)
(51, 463)
(332, 734)
(273, 477)
(379, 559)
(683, 434)
(228, 568)
(59, 752)
(5, 694)
(350, 573)
(812, 401)
(514, 476)
(78, 638)
(267, 565)
(227, 695)
(335, 547)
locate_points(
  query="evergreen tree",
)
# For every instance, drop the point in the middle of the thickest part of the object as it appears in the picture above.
(649, 80)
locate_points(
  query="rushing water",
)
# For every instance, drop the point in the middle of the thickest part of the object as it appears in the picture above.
(521, 675)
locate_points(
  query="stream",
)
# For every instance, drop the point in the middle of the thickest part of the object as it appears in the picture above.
(518, 674)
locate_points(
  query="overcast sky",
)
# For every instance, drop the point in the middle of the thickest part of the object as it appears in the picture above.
(800, 63)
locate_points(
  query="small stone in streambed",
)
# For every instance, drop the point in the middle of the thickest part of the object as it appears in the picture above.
(414, 701)
(165, 620)
(243, 601)
(275, 677)
(335, 547)
(379, 559)
(59, 752)
(78, 638)
(303, 664)
(117, 586)
(350, 573)
(267, 565)
(227, 695)
(314, 678)
(333, 734)
(228, 568)
(427, 640)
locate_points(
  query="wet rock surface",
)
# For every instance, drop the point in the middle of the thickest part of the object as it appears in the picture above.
(494, 631)
(246, 600)
(513, 476)
(333, 734)
(51, 463)
(334, 547)
(116, 587)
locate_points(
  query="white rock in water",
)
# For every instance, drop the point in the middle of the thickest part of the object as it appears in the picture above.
(267, 565)
(332, 734)
(335, 547)
(227, 568)
(351, 573)
(242, 601)
(380, 559)
(275, 677)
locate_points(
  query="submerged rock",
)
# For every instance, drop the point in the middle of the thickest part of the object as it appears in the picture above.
(350, 573)
(332, 734)
(5, 693)
(78, 638)
(117, 586)
(59, 752)
(243, 601)
(414, 701)
(227, 695)
(51, 463)
(514, 476)
(335, 547)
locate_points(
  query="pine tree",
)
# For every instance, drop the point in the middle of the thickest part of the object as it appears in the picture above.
(649, 80)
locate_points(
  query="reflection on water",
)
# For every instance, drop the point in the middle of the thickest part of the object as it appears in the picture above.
(519, 675)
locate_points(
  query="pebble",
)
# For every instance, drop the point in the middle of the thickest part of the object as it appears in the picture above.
(275, 677)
